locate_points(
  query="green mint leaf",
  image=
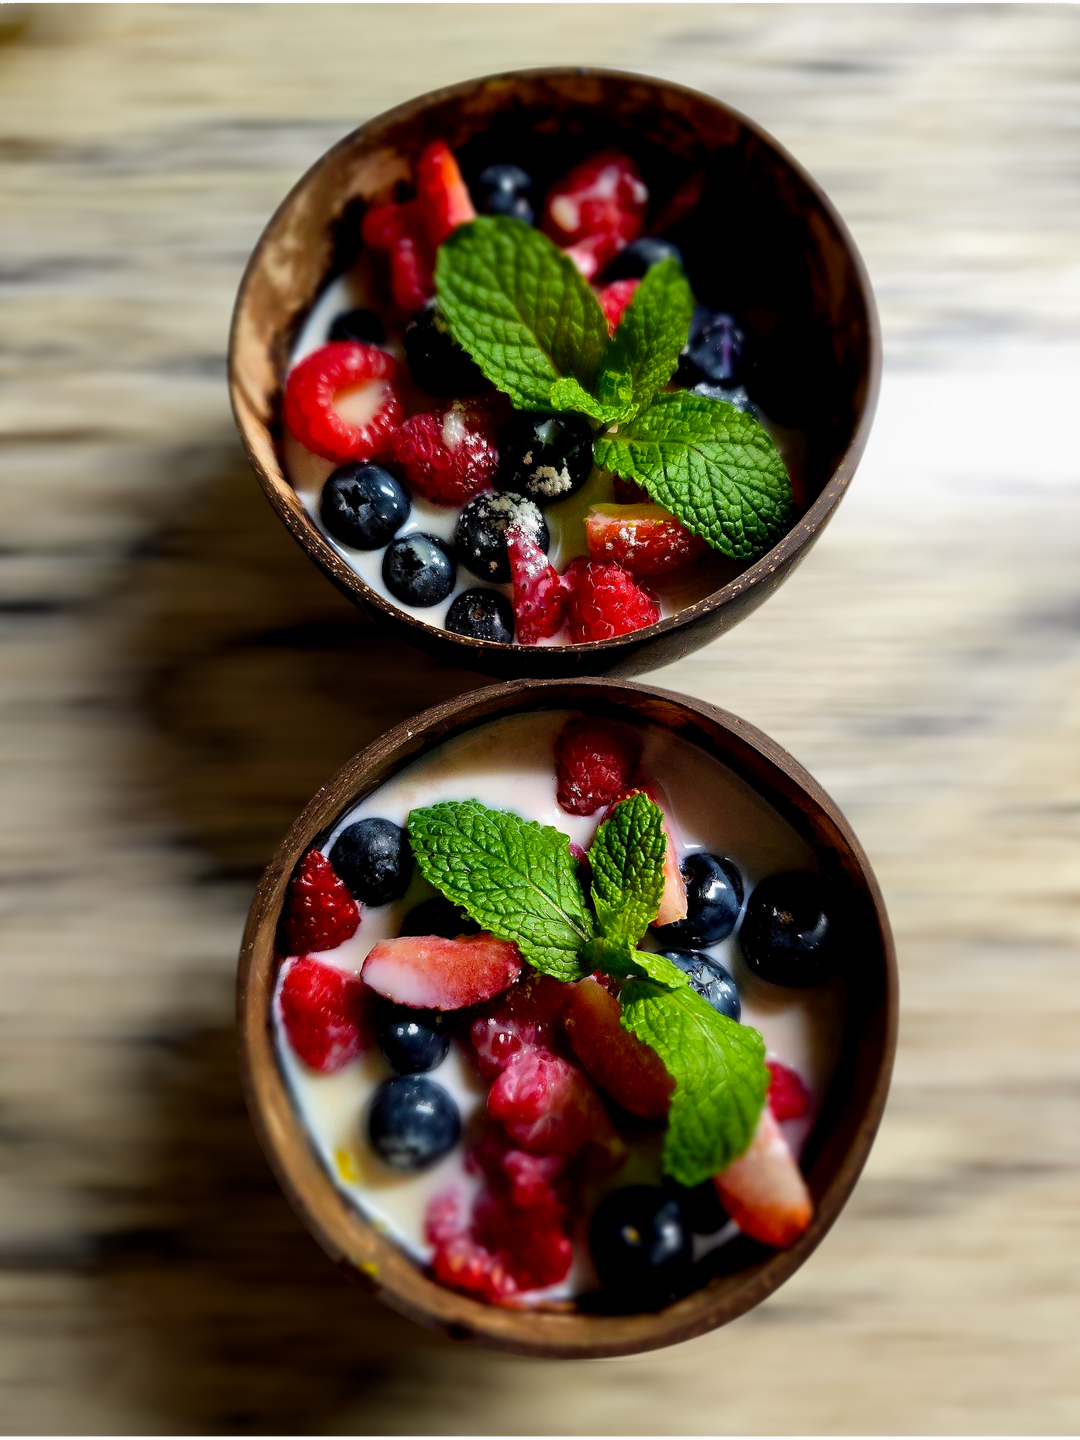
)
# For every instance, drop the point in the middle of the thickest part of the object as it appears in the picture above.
(520, 307)
(719, 1070)
(645, 348)
(567, 394)
(617, 956)
(709, 464)
(627, 859)
(514, 877)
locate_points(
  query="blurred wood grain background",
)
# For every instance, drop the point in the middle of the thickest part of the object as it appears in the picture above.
(176, 680)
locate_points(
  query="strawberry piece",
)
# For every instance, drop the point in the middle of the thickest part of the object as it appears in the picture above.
(448, 455)
(539, 592)
(320, 914)
(427, 972)
(442, 196)
(614, 299)
(629, 1071)
(313, 387)
(525, 1016)
(789, 1098)
(460, 1261)
(605, 602)
(400, 231)
(629, 492)
(551, 1108)
(596, 209)
(644, 539)
(673, 900)
(593, 765)
(764, 1191)
(325, 1012)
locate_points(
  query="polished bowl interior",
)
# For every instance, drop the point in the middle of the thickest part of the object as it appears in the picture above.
(842, 1136)
(762, 240)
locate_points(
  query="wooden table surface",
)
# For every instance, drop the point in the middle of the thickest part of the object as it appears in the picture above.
(177, 680)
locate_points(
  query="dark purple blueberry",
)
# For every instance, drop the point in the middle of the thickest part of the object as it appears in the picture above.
(363, 506)
(709, 979)
(362, 325)
(480, 537)
(412, 1122)
(788, 934)
(714, 350)
(504, 190)
(641, 255)
(736, 397)
(482, 615)
(641, 1246)
(374, 859)
(438, 363)
(419, 570)
(714, 896)
(700, 1205)
(545, 457)
(411, 1040)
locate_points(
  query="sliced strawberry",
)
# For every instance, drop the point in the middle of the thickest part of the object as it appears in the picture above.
(622, 1065)
(789, 1098)
(644, 539)
(329, 375)
(430, 973)
(551, 1108)
(596, 209)
(320, 914)
(400, 232)
(539, 591)
(614, 299)
(527, 1015)
(673, 900)
(326, 1013)
(441, 194)
(764, 1191)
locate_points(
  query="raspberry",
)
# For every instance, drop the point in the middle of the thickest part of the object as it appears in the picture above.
(539, 591)
(550, 1108)
(325, 1012)
(614, 299)
(448, 455)
(320, 914)
(441, 194)
(789, 1098)
(605, 602)
(593, 765)
(525, 1016)
(596, 209)
(316, 383)
(644, 539)
(531, 1243)
(400, 231)
(460, 1261)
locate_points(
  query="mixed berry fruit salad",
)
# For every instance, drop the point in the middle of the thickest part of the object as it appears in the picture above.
(511, 418)
(558, 1005)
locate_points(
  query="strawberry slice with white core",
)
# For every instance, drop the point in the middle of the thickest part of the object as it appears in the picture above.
(764, 1191)
(427, 972)
(644, 539)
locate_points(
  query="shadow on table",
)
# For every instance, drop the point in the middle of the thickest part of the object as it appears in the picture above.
(258, 681)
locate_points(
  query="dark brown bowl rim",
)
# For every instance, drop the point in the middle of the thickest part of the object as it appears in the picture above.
(786, 549)
(376, 1262)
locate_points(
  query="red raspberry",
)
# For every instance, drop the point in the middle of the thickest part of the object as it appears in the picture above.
(525, 1016)
(596, 209)
(320, 914)
(644, 539)
(400, 231)
(550, 1107)
(448, 455)
(460, 1261)
(593, 765)
(531, 1243)
(325, 1012)
(539, 592)
(441, 194)
(628, 492)
(313, 386)
(605, 602)
(614, 299)
(789, 1098)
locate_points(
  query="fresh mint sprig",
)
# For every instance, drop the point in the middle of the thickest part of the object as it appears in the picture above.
(522, 310)
(517, 879)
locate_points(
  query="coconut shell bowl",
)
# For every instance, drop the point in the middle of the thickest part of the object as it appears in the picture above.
(758, 238)
(849, 1107)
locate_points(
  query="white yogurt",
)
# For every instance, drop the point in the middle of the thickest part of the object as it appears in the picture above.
(508, 764)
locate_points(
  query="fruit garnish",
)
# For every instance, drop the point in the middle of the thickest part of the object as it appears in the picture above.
(325, 1013)
(319, 914)
(412, 1122)
(550, 1107)
(430, 973)
(545, 457)
(593, 765)
(605, 601)
(714, 896)
(411, 1041)
(314, 386)
(441, 194)
(374, 860)
(644, 539)
(709, 978)
(419, 569)
(596, 209)
(528, 1015)
(448, 455)
(438, 363)
(788, 936)
(614, 299)
(789, 1098)
(624, 1068)
(481, 536)
(482, 614)
(641, 1246)
(539, 593)
(363, 506)
(764, 1191)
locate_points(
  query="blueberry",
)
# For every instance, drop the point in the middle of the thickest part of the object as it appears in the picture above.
(545, 457)
(714, 896)
(788, 934)
(362, 325)
(482, 615)
(412, 1122)
(702, 1211)
(736, 396)
(641, 1246)
(640, 255)
(374, 859)
(503, 190)
(709, 978)
(363, 506)
(480, 537)
(714, 350)
(411, 1040)
(419, 570)
(438, 916)
(438, 363)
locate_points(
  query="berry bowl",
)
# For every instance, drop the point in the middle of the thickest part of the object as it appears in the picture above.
(555, 373)
(566, 1017)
